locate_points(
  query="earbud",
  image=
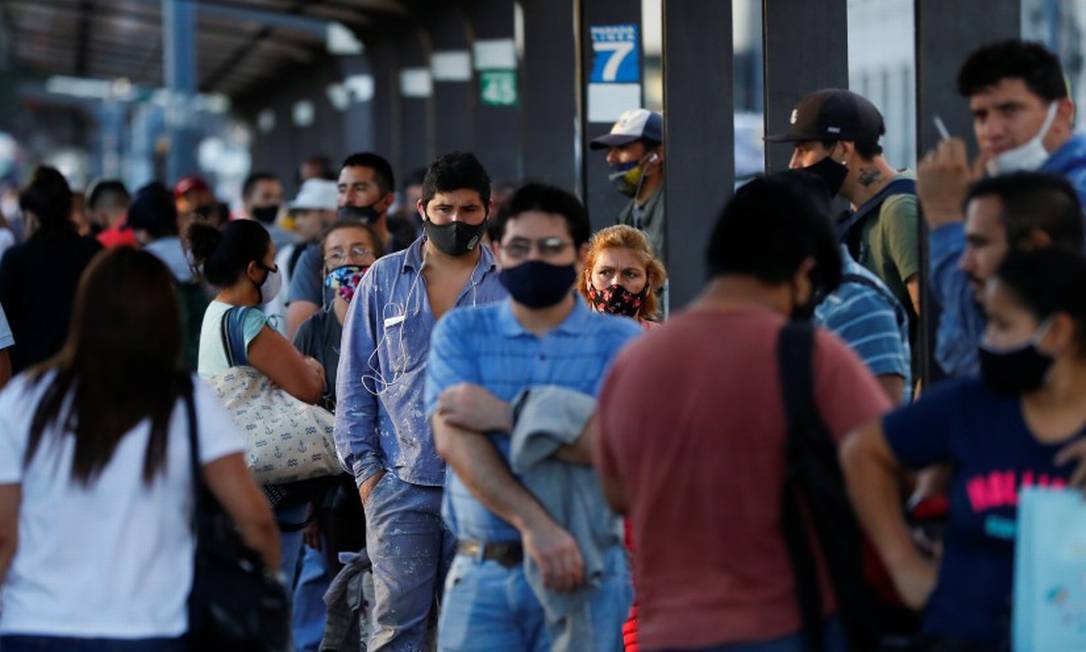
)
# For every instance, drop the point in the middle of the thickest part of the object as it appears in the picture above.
(654, 157)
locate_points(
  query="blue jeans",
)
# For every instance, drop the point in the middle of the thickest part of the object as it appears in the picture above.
(490, 607)
(834, 636)
(65, 644)
(410, 550)
(290, 543)
(307, 616)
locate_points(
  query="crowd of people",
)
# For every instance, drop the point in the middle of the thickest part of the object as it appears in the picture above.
(529, 451)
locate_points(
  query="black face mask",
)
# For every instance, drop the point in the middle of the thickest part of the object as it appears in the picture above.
(830, 172)
(204, 212)
(1014, 371)
(364, 214)
(455, 238)
(537, 284)
(617, 300)
(265, 214)
(805, 312)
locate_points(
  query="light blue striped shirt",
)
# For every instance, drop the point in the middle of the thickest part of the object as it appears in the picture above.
(6, 339)
(488, 347)
(871, 321)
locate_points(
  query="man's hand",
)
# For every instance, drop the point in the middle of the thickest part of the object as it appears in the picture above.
(942, 180)
(473, 408)
(311, 535)
(367, 486)
(557, 555)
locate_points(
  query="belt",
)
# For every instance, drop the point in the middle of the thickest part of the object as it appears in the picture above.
(508, 555)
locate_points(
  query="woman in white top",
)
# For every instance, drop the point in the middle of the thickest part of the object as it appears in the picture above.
(96, 495)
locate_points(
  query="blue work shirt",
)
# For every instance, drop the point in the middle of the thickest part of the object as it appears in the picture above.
(380, 421)
(870, 320)
(487, 346)
(962, 322)
(6, 338)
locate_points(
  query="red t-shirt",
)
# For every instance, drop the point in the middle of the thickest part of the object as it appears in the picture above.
(118, 235)
(692, 424)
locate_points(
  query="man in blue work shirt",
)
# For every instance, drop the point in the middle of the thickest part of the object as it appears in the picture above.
(1023, 121)
(1021, 210)
(480, 359)
(381, 430)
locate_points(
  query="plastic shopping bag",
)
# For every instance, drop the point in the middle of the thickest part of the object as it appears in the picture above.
(1050, 571)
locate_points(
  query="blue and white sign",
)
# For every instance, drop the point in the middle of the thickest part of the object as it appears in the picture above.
(615, 49)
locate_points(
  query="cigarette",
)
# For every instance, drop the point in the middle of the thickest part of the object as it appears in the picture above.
(941, 127)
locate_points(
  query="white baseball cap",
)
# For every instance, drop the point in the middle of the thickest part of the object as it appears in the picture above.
(635, 124)
(317, 194)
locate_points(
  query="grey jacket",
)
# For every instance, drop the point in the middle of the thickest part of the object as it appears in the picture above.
(348, 601)
(651, 221)
(547, 418)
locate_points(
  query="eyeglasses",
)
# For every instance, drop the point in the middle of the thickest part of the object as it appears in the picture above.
(338, 256)
(520, 248)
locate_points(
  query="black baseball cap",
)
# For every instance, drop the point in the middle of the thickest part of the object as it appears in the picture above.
(832, 114)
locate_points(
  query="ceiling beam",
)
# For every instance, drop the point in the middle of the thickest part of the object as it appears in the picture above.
(83, 45)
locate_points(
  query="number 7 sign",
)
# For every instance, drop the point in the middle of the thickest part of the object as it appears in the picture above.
(616, 56)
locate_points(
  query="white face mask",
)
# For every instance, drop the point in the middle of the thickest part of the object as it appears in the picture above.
(273, 282)
(1027, 157)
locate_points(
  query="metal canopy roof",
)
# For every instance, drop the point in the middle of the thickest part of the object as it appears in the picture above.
(237, 48)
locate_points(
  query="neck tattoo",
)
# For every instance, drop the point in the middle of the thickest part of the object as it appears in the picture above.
(868, 177)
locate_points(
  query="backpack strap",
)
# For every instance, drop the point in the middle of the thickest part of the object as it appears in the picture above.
(815, 502)
(794, 351)
(232, 331)
(873, 205)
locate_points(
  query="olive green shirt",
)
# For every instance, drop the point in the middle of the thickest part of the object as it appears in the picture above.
(889, 243)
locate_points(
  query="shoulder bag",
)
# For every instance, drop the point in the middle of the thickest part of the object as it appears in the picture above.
(287, 440)
(234, 604)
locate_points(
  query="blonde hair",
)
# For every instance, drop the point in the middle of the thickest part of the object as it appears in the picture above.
(626, 237)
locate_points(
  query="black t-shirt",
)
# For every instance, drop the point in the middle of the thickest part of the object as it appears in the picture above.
(318, 337)
(38, 280)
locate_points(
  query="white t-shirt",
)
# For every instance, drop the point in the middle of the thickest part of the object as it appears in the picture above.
(113, 559)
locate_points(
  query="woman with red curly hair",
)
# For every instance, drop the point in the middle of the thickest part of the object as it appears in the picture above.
(622, 275)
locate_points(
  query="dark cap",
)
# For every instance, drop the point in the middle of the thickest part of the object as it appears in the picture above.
(832, 114)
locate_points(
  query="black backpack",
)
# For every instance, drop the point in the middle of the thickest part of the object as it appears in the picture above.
(815, 501)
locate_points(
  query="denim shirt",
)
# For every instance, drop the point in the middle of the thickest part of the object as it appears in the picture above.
(380, 418)
(962, 322)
